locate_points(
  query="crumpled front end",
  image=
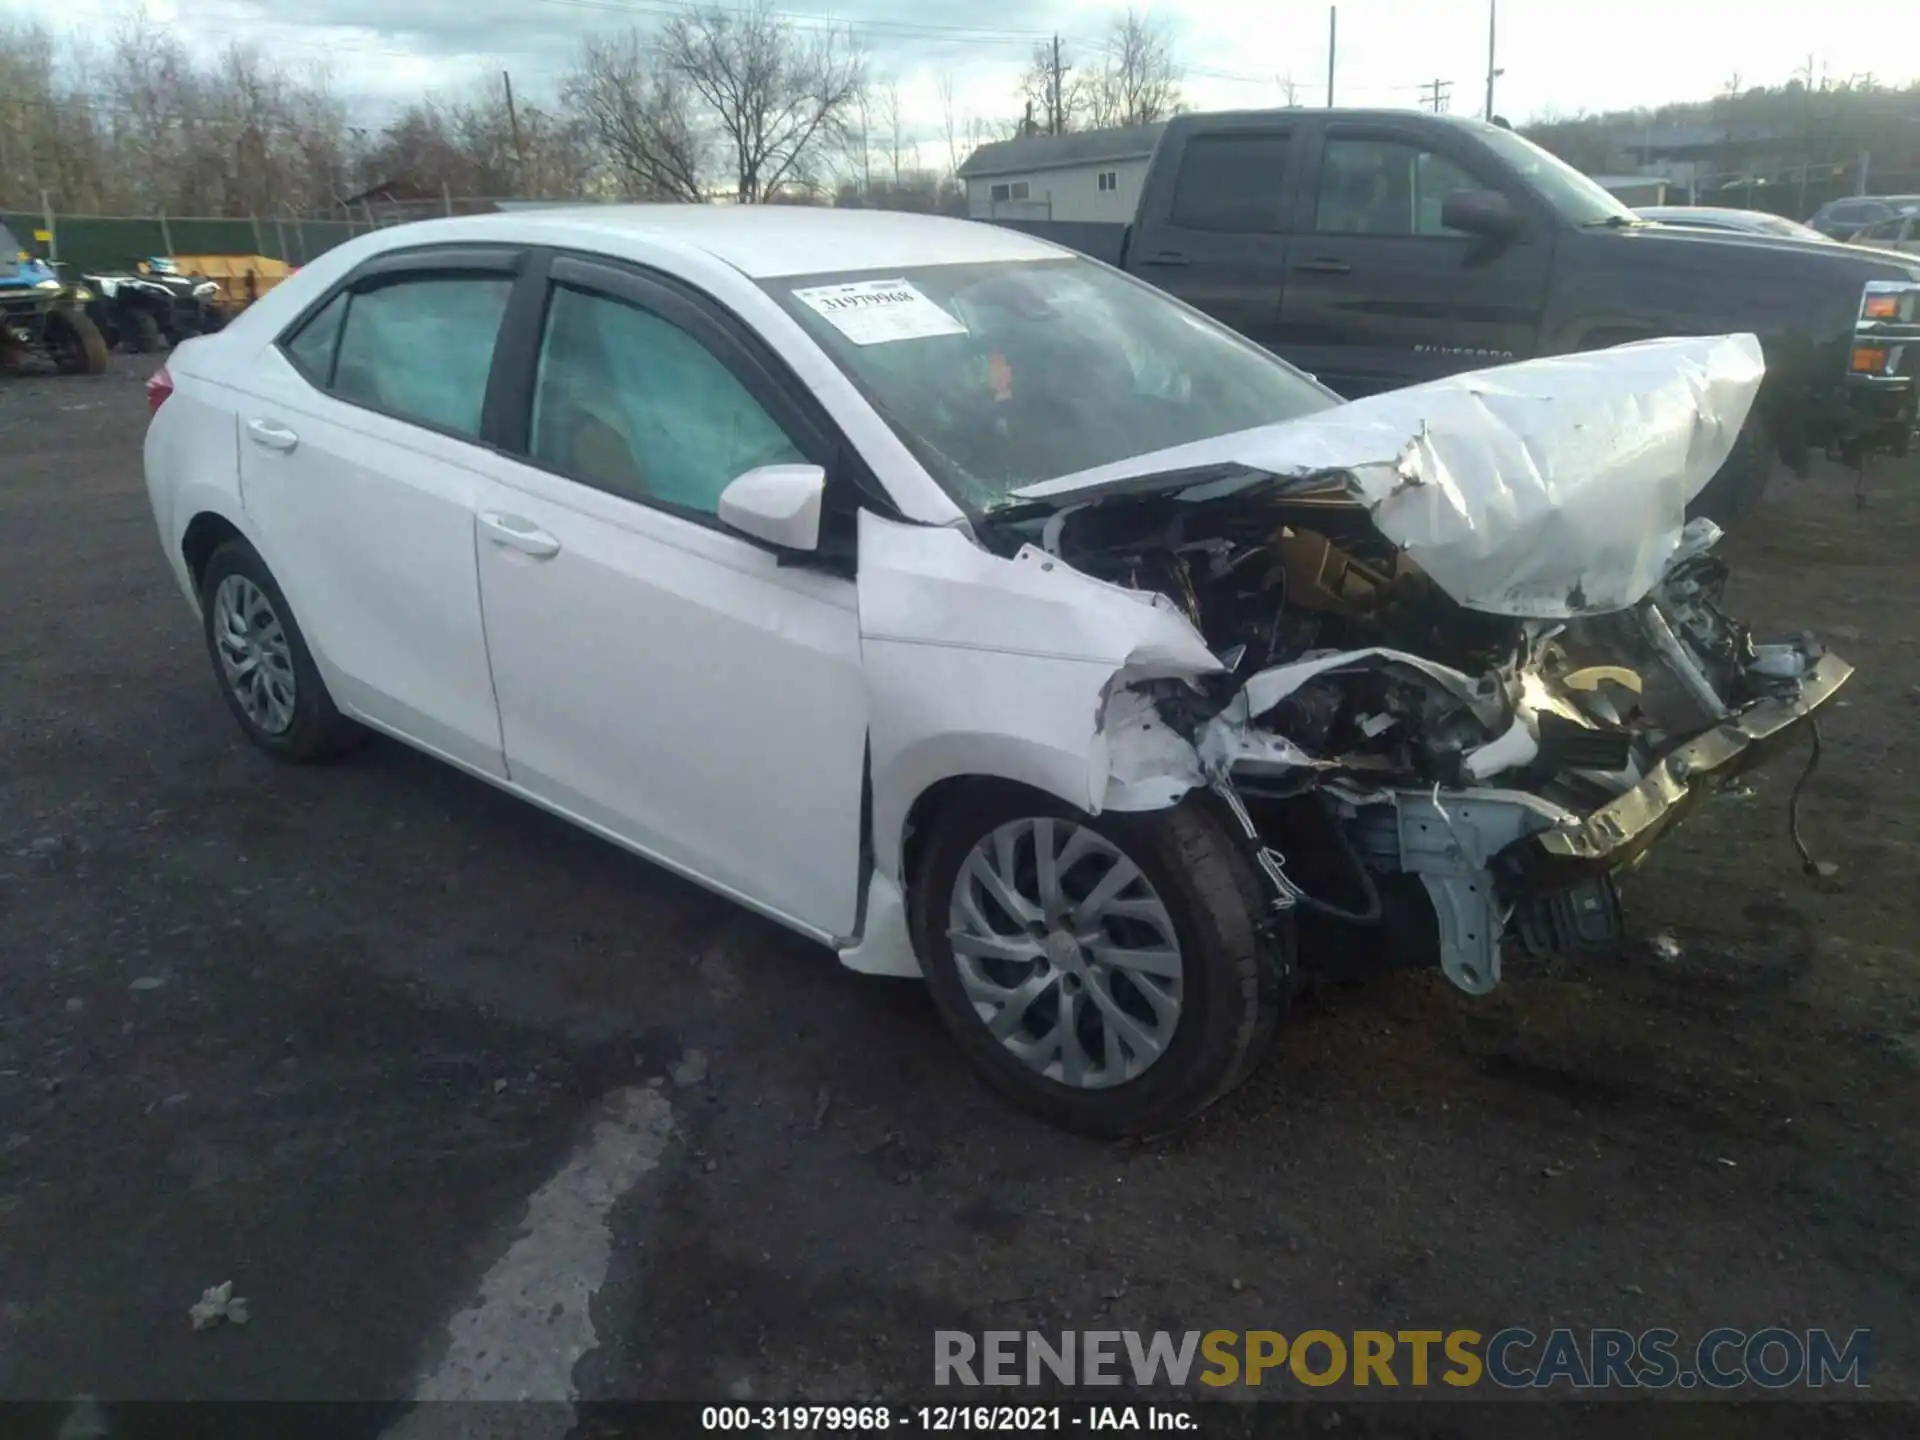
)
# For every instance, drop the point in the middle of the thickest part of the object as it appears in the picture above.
(1454, 757)
(1507, 770)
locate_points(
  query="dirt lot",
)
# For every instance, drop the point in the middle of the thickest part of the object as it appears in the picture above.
(323, 1032)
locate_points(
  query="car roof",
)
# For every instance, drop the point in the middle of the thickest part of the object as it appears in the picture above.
(763, 241)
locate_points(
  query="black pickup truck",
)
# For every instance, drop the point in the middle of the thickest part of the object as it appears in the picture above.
(1377, 249)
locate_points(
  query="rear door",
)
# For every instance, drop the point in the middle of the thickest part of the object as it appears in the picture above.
(1379, 293)
(361, 458)
(1214, 217)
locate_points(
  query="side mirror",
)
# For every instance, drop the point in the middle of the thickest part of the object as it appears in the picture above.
(777, 503)
(1486, 213)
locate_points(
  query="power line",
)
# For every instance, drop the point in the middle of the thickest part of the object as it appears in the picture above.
(1436, 92)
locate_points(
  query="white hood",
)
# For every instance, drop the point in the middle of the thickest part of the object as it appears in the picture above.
(1544, 489)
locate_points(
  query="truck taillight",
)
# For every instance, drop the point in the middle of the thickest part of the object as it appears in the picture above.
(159, 387)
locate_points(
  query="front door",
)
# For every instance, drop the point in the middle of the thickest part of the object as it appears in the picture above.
(1380, 294)
(660, 677)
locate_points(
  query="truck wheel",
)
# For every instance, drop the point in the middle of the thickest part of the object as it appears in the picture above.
(76, 342)
(143, 332)
(1734, 493)
(1105, 973)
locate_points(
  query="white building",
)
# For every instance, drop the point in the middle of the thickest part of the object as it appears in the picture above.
(1094, 175)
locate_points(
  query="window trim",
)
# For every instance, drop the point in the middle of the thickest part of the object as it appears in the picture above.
(1388, 135)
(741, 351)
(393, 267)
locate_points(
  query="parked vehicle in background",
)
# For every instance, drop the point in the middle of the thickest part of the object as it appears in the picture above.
(151, 304)
(979, 611)
(1714, 217)
(1378, 249)
(1901, 232)
(41, 315)
(1843, 219)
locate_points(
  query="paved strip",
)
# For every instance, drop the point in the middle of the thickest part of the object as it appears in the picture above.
(532, 1319)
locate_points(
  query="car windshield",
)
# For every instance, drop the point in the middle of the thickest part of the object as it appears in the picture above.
(1004, 374)
(1574, 196)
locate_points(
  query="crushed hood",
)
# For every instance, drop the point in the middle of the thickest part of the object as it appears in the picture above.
(1545, 489)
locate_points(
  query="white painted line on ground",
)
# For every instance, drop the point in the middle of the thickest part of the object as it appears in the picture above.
(531, 1321)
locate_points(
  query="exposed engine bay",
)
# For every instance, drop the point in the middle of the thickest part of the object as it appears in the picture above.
(1433, 777)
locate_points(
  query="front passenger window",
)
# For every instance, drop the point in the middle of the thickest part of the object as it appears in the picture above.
(630, 403)
(1385, 187)
(421, 348)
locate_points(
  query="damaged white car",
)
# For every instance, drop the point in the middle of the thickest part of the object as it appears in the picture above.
(980, 612)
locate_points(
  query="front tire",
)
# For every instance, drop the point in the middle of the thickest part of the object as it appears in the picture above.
(261, 661)
(1107, 974)
(76, 342)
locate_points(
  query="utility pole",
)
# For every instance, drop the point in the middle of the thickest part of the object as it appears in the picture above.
(1333, 44)
(1493, 71)
(513, 121)
(1057, 92)
(1437, 94)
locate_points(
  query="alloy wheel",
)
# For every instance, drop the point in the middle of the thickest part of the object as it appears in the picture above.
(255, 658)
(1066, 952)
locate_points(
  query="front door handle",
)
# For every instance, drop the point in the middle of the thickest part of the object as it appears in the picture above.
(1324, 265)
(516, 533)
(1168, 257)
(271, 435)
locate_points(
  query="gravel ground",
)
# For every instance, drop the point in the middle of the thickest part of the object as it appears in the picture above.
(323, 1032)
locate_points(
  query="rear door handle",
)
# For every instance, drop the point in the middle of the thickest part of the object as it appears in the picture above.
(271, 435)
(516, 533)
(1325, 265)
(1168, 257)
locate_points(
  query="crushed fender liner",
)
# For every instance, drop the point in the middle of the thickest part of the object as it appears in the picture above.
(1463, 636)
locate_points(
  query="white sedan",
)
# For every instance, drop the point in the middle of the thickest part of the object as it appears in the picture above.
(978, 611)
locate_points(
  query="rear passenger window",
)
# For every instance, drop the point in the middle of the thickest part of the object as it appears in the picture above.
(311, 349)
(421, 347)
(1235, 183)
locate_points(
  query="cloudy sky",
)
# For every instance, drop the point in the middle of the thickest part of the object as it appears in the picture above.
(1558, 55)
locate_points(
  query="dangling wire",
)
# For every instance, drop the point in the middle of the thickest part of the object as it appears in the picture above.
(1807, 863)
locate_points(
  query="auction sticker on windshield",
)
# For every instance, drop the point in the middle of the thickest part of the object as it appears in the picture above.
(878, 312)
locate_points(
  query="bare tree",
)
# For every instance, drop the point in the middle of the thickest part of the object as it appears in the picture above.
(641, 114)
(783, 98)
(949, 126)
(888, 104)
(1138, 81)
(1049, 89)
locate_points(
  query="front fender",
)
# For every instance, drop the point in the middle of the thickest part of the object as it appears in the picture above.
(978, 665)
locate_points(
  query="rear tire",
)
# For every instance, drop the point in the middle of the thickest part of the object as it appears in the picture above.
(1225, 981)
(1735, 491)
(143, 332)
(261, 661)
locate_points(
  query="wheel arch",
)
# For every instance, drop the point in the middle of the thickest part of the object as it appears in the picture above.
(205, 533)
